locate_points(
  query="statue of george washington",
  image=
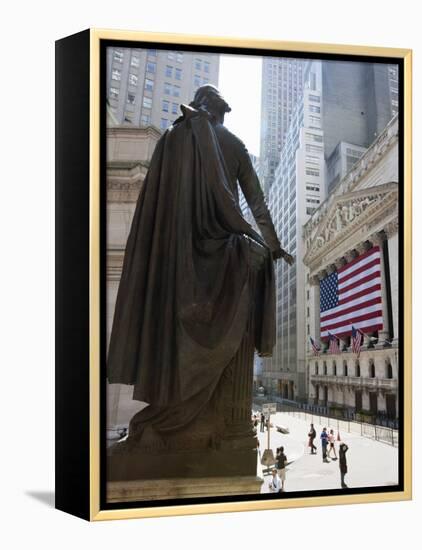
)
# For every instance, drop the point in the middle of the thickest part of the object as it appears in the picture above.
(196, 298)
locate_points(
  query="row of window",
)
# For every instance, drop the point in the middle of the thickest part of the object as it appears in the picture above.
(171, 89)
(202, 65)
(166, 107)
(388, 369)
(116, 74)
(173, 72)
(197, 81)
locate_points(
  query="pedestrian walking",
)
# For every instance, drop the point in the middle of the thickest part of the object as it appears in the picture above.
(324, 444)
(275, 483)
(281, 462)
(343, 463)
(262, 422)
(331, 445)
(312, 436)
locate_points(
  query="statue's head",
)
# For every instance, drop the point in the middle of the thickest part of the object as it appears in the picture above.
(209, 98)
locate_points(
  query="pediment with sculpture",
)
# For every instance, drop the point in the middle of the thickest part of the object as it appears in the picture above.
(346, 214)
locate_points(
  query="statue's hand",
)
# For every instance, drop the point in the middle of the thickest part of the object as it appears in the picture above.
(288, 258)
(277, 254)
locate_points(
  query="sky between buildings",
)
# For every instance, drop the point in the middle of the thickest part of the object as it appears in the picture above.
(240, 84)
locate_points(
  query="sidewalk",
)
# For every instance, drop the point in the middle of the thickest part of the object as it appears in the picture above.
(370, 463)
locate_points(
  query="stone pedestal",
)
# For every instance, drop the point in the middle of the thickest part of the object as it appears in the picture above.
(167, 489)
(127, 466)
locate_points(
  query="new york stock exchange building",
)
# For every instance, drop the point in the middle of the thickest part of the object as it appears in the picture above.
(352, 288)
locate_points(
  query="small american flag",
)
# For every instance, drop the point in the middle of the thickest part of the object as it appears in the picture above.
(334, 346)
(316, 347)
(352, 296)
(357, 339)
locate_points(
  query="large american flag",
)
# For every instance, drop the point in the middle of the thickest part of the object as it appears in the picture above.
(352, 296)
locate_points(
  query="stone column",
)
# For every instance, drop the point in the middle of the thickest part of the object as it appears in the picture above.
(314, 281)
(393, 254)
(321, 275)
(384, 334)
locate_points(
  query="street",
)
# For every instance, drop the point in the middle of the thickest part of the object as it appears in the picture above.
(370, 463)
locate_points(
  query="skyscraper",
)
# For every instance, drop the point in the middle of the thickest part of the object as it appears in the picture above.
(359, 100)
(282, 84)
(146, 87)
(297, 189)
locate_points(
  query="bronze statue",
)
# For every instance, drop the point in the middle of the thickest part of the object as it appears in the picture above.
(196, 298)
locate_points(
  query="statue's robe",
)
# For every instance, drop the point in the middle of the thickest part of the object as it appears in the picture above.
(183, 302)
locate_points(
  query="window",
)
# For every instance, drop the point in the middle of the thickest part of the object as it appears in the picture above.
(175, 108)
(314, 120)
(118, 56)
(312, 201)
(152, 53)
(147, 102)
(114, 93)
(196, 81)
(170, 55)
(178, 74)
(316, 368)
(151, 66)
(334, 368)
(314, 109)
(149, 84)
(388, 370)
(145, 120)
(325, 367)
(357, 369)
(345, 368)
(179, 57)
(371, 369)
(167, 88)
(176, 91)
(313, 137)
(312, 172)
(312, 188)
(133, 79)
(206, 66)
(314, 98)
(116, 74)
(166, 106)
(164, 123)
(198, 64)
(311, 148)
(169, 71)
(134, 61)
(131, 99)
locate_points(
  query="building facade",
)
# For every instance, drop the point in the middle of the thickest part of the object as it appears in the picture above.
(282, 84)
(129, 150)
(297, 190)
(359, 216)
(147, 87)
